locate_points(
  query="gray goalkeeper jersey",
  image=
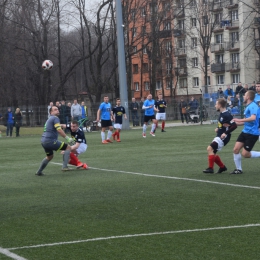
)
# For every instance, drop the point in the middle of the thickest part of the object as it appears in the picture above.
(50, 129)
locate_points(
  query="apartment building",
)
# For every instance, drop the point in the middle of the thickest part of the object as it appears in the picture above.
(201, 42)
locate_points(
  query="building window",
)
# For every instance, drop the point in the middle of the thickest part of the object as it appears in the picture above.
(181, 44)
(194, 43)
(158, 85)
(143, 30)
(183, 83)
(167, 25)
(205, 19)
(168, 67)
(182, 63)
(133, 13)
(208, 80)
(220, 79)
(235, 57)
(168, 48)
(136, 86)
(193, 22)
(218, 18)
(134, 31)
(146, 85)
(193, 3)
(234, 36)
(134, 49)
(168, 84)
(145, 67)
(235, 78)
(144, 50)
(219, 38)
(135, 68)
(194, 62)
(219, 58)
(234, 15)
(143, 11)
(195, 81)
(181, 24)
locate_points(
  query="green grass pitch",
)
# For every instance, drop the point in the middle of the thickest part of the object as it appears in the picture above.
(141, 199)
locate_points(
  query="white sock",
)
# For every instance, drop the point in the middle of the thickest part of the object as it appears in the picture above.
(144, 128)
(103, 135)
(109, 134)
(153, 127)
(237, 160)
(255, 154)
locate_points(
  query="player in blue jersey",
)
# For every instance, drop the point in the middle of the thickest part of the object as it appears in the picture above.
(161, 105)
(247, 139)
(105, 114)
(257, 100)
(50, 142)
(226, 125)
(149, 114)
(118, 113)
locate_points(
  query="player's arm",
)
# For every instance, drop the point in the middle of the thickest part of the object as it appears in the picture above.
(243, 120)
(98, 114)
(75, 146)
(230, 127)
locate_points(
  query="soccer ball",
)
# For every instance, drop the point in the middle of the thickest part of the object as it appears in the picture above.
(47, 65)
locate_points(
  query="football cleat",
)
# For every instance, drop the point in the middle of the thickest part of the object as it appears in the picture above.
(220, 170)
(109, 141)
(118, 140)
(39, 173)
(152, 134)
(163, 130)
(85, 166)
(209, 170)
(104, 142)
(66, 169)
(79, 164)
(144, 135)
(236, 171)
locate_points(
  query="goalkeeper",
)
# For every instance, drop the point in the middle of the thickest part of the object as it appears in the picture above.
(50, 142)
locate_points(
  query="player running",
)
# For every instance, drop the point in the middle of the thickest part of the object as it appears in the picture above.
(226, 125)
(118, 112)
(160, 104)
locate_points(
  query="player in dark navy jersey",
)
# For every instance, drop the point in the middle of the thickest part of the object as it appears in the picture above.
(80, 145)
(161, 105)
(226, 125)
(118, 113)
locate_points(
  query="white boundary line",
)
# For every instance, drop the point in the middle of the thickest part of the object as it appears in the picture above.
(135, 235)
(6, 252)
(175, 178)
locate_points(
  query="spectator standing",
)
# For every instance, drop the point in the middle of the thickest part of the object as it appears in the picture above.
(18, 121)
(194, 105)
(220, 93)
(229, 104)
(183, 106)
(62, 110)
(9, 122)
(84, 112)
(228, 92)
(76, 111)
(68, 113)
(253, 87)
(134, 111)
(239, 89)
(49, 106)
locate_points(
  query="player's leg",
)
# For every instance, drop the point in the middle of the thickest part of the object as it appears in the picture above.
(163, 121)
(103, 131)
(82, 149)
(237, 156)
(154, 122)
(109, 133)
(211, 158)
(66, 156)
(46, 160)
(146, 119)
(119, 127)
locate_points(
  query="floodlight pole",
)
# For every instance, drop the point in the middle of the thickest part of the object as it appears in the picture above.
(121, 61)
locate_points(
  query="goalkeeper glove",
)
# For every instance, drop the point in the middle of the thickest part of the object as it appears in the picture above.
(69, 139)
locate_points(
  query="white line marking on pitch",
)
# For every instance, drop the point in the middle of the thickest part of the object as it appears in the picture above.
(6, 252)
(175, 178)
(136, 235)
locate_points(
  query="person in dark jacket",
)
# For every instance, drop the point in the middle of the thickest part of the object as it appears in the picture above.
(134, 111)
(183, 106)
(9, 122)
(18, 121)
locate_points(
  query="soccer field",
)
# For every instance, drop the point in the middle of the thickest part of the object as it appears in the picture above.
(143, 198)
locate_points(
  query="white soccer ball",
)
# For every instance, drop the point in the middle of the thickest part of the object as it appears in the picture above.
(47, 65)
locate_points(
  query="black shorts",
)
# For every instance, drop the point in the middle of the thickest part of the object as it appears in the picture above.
(248, 140)
(147, 118)
(106, 123)
(55, 145)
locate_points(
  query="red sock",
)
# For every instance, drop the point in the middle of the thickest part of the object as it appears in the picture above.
(163, 124)
(118, 134)
(156, 125)
(218, 161)
(211, 159)
(73, 159)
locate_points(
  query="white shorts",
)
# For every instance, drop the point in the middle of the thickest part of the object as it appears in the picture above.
(219, 142)
(118, 126)
(82, 148)
(160, 116)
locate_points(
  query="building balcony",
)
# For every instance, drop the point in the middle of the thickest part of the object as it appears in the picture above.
(218, 27)
(257, 21)
(178, 12)
(230, 4)
(181, 72)
(164, 34)
(218, 67)
(179, 52)
(257, 2)
(232, 66)
(178, 32)
(257, 43)
(217, 6)
(234, 24)
(233, 46)
(217, 47)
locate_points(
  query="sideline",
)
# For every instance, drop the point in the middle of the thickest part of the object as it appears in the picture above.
(175, 178)
(135, 235)
(6, 252)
